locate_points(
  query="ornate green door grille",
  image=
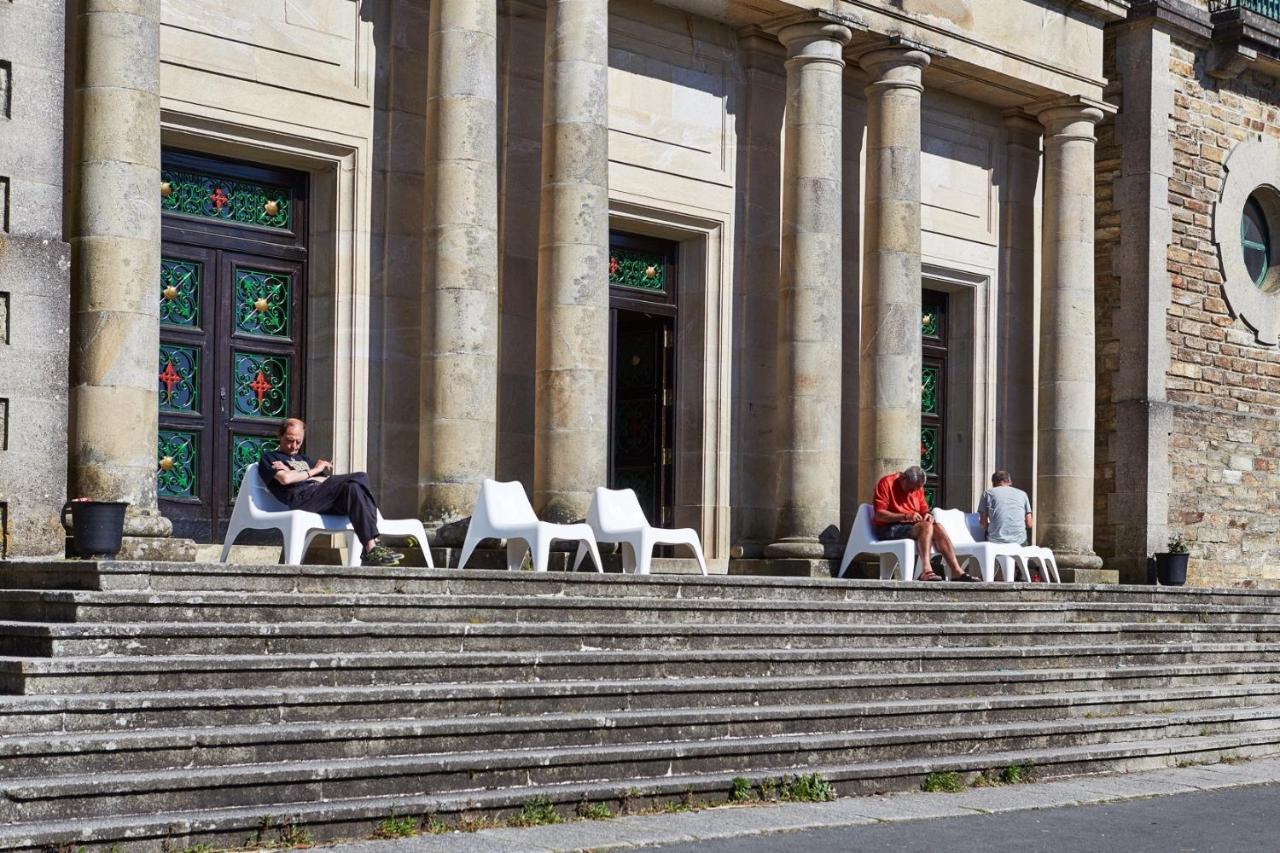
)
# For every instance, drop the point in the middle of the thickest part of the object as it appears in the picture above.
(933, 332)
(230, 321)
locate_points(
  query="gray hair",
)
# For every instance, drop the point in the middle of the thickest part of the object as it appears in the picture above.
(914, 476)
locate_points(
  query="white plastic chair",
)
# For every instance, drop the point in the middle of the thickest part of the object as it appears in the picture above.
(616, 516)
(862, 540)
(961, 527)
(1048, 562)
(503, 512)
(257, 509)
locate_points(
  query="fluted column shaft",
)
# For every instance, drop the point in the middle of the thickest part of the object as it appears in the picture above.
(809, 318)
(889, 390)
(572, 383)
(460, 271)
(1065, 420)
(116, 260)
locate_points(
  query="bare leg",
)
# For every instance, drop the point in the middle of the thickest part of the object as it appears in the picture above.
(948, 553)
(922, 532)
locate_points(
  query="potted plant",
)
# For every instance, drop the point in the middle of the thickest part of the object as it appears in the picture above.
(1171, 565)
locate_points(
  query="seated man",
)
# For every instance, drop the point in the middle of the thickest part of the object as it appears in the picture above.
(299, 482)
(1005, 512)
(901, 513)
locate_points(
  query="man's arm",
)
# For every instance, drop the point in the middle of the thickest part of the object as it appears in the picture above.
(984, 520)
(1030, 522)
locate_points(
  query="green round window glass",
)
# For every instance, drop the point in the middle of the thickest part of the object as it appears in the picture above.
(1255, 239)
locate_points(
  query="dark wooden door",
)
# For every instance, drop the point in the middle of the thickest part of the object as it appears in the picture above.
(642, 298)
(933, 328)
(232, 319)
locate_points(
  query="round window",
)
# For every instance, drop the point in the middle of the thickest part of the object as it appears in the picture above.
(1255, 239)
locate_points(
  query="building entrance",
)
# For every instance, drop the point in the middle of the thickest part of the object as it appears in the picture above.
(232, 314)
(642, 317)
(933, 381)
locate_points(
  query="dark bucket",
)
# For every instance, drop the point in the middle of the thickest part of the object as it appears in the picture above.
(96, 527)
(1172, 569)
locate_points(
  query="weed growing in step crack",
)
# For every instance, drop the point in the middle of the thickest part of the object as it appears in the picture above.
(594, 811)
(740, 792)
(943, 783)
(536, 812)
(396, 827)
(807, 789)
(1016, 774)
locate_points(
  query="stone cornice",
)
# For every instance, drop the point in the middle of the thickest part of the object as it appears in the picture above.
(1176, 17)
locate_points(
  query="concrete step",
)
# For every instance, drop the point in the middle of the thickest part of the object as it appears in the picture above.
(30, 639)
(138, 606)
(213, 746)
(158, 577)
(107, 794)
(1076, 691)
(357, 817)
(198, 672)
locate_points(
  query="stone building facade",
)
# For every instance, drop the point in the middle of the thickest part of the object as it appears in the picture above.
(744, 256)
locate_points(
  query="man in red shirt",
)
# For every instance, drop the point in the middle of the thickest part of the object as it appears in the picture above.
(901, 513)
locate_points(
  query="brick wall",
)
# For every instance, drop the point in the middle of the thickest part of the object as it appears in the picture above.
(1224, 387)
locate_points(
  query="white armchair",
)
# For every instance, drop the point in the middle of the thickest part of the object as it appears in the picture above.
(863, 540)
(503, 511)
(962, 527)
(616, 516)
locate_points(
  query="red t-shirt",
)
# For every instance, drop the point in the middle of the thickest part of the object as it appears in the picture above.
(893, 498)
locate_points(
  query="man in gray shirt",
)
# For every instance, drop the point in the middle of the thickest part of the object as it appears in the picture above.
(1005, 512)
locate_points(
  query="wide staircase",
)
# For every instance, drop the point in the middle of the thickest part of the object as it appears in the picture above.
(160, 706)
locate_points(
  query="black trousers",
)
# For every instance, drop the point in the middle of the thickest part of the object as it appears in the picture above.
(341, 494)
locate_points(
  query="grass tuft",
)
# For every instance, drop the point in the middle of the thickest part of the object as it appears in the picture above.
(539, 811)
(740, 792)
(396, 827)
(807, 789)
(943, 783)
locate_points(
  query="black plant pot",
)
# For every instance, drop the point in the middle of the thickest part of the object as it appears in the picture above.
(1171, 569)
(96, 528)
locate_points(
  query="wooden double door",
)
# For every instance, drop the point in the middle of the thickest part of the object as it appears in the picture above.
(231, 366)
(642, 314)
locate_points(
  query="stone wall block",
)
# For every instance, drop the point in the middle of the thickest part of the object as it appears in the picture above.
(98, 261)
(461, 138)
(577, 149)
(120, 47)
(581, 265)
(125, 203)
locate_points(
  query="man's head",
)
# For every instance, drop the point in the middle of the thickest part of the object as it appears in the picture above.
(1001, 478)
(913, 478)
(292, 433)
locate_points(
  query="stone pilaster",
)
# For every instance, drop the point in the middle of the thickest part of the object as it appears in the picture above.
(1015, 330)
(458, 441)
(809, 318)
(116, 260)
(1066, 383)
(889, 390)
(572, 384)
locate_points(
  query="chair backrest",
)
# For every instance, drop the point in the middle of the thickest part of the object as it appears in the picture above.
(974, 522)
(616, 509)
(504, 503)
(864, 530)
(256, 493)
(953, 521)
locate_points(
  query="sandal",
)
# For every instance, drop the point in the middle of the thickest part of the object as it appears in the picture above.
(930, 577)
(965, 577)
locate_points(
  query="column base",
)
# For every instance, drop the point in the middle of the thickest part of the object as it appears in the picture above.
(157, 549)
(801, 548)
(1087, 561)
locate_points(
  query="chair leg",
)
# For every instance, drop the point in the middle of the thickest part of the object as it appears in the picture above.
(516, 549)
(580, 555)
(697, 553)
(232, 535)
(595, 555)
(468, 548)
(541, 547)
(295, 545)
(627, 550)
(644, 555)
(355, 550)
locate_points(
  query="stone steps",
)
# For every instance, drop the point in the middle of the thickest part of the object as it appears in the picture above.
(1070, 691)
(886, 724)
(287, 608)
(201, 672)
(104, 794)
(257, 638)
(172, 704)
(357, 816)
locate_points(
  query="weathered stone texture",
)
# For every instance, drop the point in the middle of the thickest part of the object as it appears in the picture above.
(1224, 387)
(34, 273)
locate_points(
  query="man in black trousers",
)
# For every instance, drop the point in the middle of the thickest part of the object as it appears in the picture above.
(299, 482)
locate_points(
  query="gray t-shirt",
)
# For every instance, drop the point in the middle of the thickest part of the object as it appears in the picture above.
(1006, 509)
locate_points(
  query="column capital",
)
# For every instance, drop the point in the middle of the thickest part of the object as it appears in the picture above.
(814, 34)
(1071, 116)
(895, 62)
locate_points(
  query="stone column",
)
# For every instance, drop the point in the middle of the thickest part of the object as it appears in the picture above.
(572, 385)
(1016, 342)
(889, 392)
(809, 318)
(1065, 424)
(116, 260)
(459, 378)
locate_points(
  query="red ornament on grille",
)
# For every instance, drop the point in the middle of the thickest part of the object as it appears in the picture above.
(219, 198)
(170, 378)
(614, 266)
(260, 385)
